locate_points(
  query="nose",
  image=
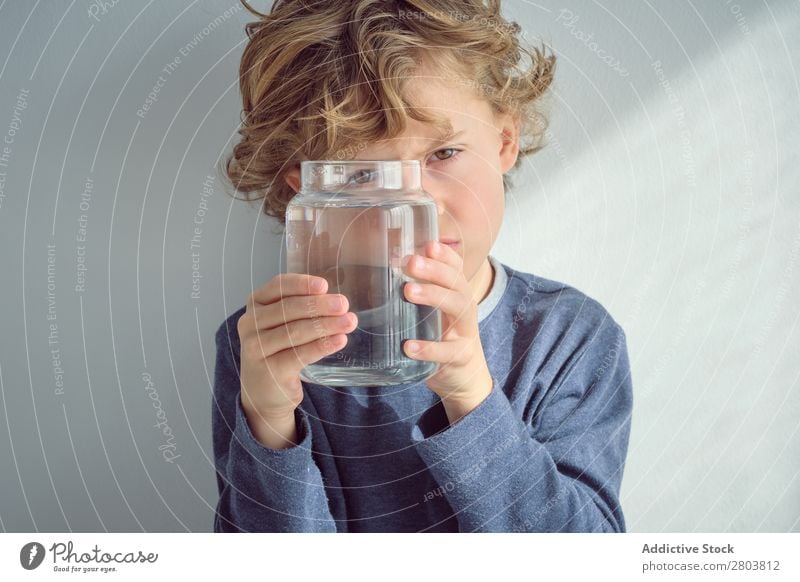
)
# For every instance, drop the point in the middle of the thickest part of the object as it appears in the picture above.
(433, 189)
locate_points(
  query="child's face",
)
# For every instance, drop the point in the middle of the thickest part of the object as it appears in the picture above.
(468, 184)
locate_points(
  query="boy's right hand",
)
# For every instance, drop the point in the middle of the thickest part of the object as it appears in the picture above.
(286, 326)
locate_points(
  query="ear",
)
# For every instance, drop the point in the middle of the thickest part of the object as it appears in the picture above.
(509, 128)
(293, 179)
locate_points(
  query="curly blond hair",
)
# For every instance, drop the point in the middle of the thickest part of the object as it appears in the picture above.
(319, 79)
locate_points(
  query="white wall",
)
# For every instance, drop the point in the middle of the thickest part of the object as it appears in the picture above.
(678, 208)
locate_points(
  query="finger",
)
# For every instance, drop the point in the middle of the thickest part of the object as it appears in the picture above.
(435, 271)
(287, 284)
(444, 352)
(298, 333)
(459, 307)
(297, 358)
(294, 308)
(445, 253)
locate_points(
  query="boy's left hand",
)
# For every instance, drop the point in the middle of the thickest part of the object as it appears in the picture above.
(463, 379)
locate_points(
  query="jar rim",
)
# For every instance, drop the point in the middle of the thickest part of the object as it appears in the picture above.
(355, 162)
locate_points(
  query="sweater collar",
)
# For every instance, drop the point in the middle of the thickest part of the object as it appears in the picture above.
(499, 283)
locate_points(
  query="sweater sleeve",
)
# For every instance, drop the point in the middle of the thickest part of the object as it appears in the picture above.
(560, 474)
(260, 489)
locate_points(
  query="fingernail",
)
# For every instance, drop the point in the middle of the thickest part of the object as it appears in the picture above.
(413, 347)
(317, 285)
(414, 289)
(436, 248)
(420, 262)
(335, 302)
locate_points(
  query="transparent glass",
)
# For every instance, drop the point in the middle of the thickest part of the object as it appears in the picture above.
(353, 223)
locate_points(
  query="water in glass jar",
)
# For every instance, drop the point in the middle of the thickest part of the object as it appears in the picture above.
(358, 248)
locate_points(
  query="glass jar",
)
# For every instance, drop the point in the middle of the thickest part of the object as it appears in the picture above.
(353, 222)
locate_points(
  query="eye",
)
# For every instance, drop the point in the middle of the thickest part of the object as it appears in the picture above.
(445, 154)
(360, 177)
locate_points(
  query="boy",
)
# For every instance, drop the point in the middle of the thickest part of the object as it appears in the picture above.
(525, 425)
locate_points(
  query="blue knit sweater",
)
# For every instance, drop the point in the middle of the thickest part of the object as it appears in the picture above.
(544, 452)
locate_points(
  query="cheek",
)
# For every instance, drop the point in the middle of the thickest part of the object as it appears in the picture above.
(471, 192)
(481, 196)
(475, 205)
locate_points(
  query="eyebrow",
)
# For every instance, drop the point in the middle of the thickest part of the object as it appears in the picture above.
(449, 136)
